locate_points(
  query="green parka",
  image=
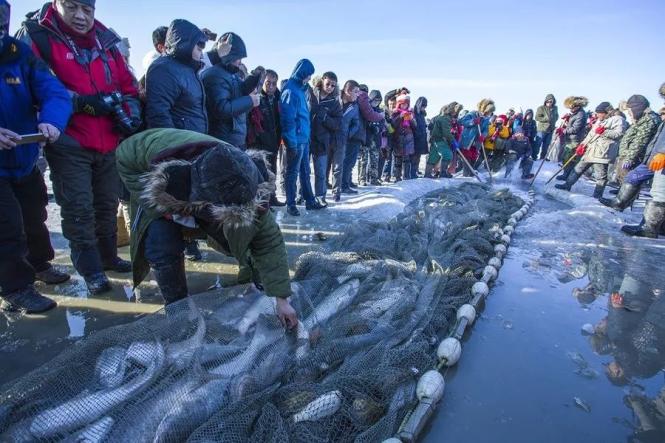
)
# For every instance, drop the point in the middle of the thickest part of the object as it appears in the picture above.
(249, 233)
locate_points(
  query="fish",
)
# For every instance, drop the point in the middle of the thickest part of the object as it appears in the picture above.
(302, 338)
(338, 300)
(95, 432)
(263, 337)
(263, 305)
(179, 354)
(322, 407)
(80, 411)
(581, 404)
(111, 366)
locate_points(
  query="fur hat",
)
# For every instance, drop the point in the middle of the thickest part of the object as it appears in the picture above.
(574, 101)
(452, 109)
(486, 106)
(661, 91)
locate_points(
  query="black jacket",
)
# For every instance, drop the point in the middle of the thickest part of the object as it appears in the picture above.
(420, 133)
(326, 120)
(174, 93)
(268, 135)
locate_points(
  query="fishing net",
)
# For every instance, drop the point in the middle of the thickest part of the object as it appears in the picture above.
(218, 366)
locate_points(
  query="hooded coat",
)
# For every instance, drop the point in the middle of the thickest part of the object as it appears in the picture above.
(420, 133)
(546, 117)
(175, 97)
(529, 126)
(227, 96)
(326, 119)
(295, 116)
(246, 232)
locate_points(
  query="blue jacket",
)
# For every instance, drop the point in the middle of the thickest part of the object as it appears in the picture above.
(27, 85)
(470, 131)
(294, 112)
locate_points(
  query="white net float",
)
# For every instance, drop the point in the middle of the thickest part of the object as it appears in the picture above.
(430, 386)
(449, 351)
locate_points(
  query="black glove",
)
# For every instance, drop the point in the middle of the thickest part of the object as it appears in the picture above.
(92, 105)
(128, 128)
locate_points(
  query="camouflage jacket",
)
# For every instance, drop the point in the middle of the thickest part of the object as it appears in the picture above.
(636, 139)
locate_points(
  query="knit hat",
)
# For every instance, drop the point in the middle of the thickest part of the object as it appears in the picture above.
(503, 118)
(403, 98)
(224, 175)
(90, 3)
(604, 108)
(637, 105)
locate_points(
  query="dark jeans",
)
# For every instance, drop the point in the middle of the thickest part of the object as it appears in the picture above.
(297, 165)
(320, 166)
(350, 158)
(25, 245)
(163, 245)
(386, 165)
(543, 141)
(85, 184)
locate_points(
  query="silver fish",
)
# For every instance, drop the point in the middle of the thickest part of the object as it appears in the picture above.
(263, 305)
(263, 337)
(111, 366)
(96, 432)
(180, 353)
(302, 337)
(338, 300)
(78, 412)
(322, 407)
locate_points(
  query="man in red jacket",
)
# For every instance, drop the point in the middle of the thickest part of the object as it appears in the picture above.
(83, 55)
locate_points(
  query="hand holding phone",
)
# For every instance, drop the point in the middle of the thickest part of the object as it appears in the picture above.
(28, 139)
(8, 139)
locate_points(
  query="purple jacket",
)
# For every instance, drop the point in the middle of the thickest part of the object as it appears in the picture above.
(367, 114)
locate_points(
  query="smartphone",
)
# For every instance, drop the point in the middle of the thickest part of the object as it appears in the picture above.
(31, 138)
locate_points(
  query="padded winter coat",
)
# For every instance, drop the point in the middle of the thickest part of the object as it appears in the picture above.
(546, 117)
(295, 116)
(174, 93)
(598, 146)
(326, 121)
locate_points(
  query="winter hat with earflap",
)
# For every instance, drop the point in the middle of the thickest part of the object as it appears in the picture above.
(486, 106)
(637, 104)
(604, 108)
(575, 101)
(5, 13)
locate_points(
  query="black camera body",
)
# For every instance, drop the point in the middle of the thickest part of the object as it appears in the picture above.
(114, 100)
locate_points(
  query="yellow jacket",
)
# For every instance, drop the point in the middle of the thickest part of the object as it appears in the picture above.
(504, 134)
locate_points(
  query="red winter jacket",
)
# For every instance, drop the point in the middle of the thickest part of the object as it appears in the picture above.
(97, 76)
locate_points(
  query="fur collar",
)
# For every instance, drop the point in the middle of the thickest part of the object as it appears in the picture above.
(154, 195)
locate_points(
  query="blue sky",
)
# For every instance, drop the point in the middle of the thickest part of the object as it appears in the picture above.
(513, 52)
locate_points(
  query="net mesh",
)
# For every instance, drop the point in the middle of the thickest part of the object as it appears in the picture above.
(219, 367)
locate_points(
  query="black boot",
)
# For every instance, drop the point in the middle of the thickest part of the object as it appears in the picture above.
(192, 251)
(598, 191)
(654, 215)
(51, 276)
(571, 179)
(292, 210)
(28, 300)
(315, 205)
(97, 283)
(108, 251)
(428, 170)
(275, 202)
(171, 280)
(627, 193)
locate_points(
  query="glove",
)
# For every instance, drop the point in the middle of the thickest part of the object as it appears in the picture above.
(566, 117)
(92, 105)
(600, 130)
(127, 130)
(560, 132)
(481, 138)
(477, 121)
(581, 149)
(627, 164)
(657, 163)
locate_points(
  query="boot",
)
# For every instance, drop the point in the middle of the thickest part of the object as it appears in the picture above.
(28, 300)
(172, 281)
(315, 205)
(654, 215)
(51, 276)
(192, 251)
(349, 191)
(292, 210)
(275, 202)
(627, 193)
(428, 170)
(598, 191)
(571, 179)
(97, 283)
(108, 251)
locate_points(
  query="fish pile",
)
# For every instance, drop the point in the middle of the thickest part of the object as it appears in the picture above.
(219, 366)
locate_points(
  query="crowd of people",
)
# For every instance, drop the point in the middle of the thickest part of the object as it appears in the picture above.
(191, 150)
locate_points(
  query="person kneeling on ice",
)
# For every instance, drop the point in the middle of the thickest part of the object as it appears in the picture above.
(519, 148)
(595, 149)
(181, 179)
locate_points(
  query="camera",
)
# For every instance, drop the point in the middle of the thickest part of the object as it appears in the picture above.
(114, 100)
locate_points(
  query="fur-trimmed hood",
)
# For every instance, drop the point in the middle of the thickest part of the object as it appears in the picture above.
(167, 189)
(452, 109)
(574, 101)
